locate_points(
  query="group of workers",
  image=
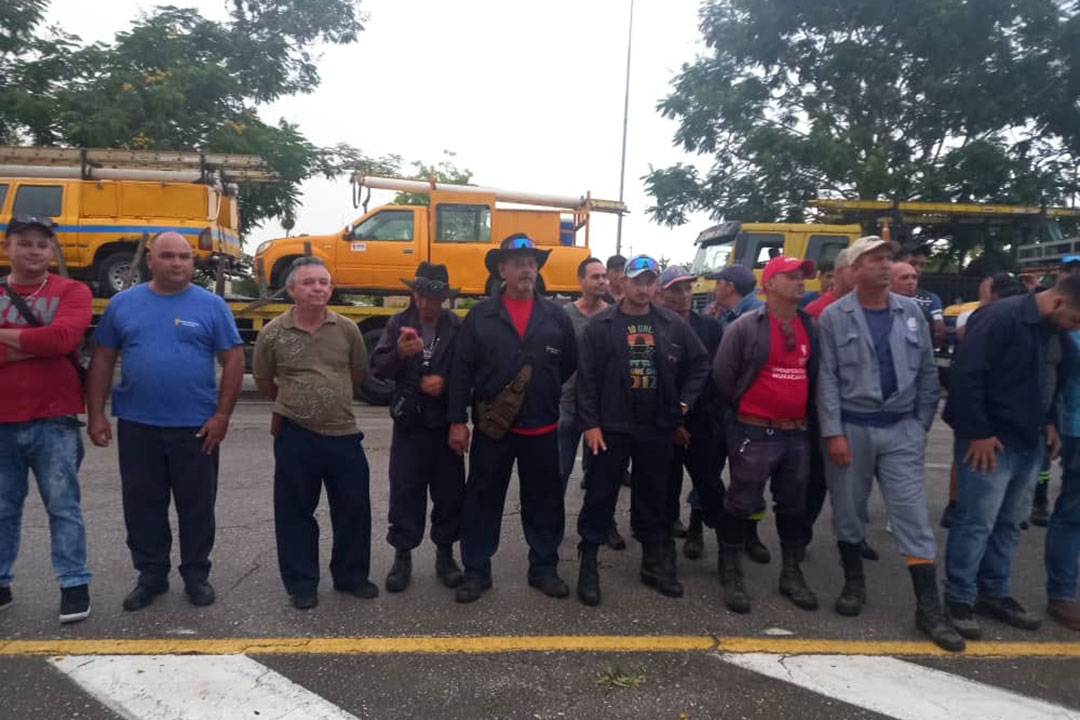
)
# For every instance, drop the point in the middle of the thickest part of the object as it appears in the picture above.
(813, 400)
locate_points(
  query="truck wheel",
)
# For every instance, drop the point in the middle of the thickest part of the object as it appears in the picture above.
(374, 391)
(113, 270)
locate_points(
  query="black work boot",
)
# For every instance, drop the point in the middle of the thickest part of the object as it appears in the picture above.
(446, 567)
(793, 584)
(615, 541)
(731, 576)
(853, 596)
(588, 580)
(400, 572)
(1040, 506)
(667, 583)
(695, 542)
(929, 617)
(755, 549)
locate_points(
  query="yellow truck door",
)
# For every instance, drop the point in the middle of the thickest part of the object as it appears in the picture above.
(461, 236)
(381, 248)
(57, 200)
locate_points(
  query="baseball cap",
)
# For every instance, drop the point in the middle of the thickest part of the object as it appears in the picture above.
(21, 222)
(870, 243)
(640, 264)
(842, 260)
(673, 274)
(787, 264)
(740, 276)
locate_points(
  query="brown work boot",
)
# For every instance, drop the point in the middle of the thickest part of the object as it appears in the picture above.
(1066, 612)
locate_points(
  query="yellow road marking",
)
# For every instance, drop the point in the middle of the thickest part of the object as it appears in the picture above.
(436, 645)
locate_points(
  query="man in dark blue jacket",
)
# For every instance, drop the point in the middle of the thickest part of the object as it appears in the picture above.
(641, 371)
(415, 351)
(514, 351)
(1003, 427)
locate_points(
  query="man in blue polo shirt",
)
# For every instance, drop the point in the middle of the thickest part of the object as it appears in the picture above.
(169, 419)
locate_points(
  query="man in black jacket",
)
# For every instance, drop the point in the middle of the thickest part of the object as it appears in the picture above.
(641, 371)
(513, 353)
(415, 352)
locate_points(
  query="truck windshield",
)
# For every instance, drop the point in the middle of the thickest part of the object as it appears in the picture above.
(711, 257)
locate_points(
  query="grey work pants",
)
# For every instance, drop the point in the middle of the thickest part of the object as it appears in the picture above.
(896, 455)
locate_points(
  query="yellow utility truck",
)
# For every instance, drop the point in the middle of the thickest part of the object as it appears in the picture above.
(457, 228)
(104, 203)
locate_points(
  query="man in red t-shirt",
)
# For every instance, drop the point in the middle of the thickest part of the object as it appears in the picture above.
(764, 371)
(42, 397)
(842, 285)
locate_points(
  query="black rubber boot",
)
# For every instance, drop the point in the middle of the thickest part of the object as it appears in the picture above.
(667, 582)
(446, 567)
(588, 581)
(755, 549)
(731, 576)
(793, 584)
(695, 542)
(929, 617)
(853, 596)
(1040, 507)
(400, 572)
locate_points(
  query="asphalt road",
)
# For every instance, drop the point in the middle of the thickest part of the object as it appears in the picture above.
(533, 683)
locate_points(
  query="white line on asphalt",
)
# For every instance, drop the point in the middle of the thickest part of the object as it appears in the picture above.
(899, 689)
(176, 687)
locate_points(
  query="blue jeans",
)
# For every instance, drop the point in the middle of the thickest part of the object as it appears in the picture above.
(986, 523)
(52, 448)
(1063, 535)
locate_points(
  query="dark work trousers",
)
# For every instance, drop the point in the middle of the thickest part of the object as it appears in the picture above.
(303, 462)
(816, 488)
(757, 457)
(156, 462)
(421, 461)
(542, 517)
(704, 462)
(652, 491)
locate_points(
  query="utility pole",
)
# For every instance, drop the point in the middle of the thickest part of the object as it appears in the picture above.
(625, 117)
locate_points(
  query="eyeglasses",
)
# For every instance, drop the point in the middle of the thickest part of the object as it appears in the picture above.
(522, 242)
(640, 264)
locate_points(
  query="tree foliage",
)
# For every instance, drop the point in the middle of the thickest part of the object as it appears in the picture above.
(935, 100)
(175, 80)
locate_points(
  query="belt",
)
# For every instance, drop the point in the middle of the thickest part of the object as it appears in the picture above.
(770, 423)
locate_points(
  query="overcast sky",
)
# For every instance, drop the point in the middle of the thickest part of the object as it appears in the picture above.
(529, 95)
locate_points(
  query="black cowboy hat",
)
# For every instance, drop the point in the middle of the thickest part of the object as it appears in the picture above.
(432, 280)
(517, 243)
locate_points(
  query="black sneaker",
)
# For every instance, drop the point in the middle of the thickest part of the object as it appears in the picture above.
(74, 603)
(551, 585)
(143, 595)
(471, 589)
(5, 597)
(304, 602)
(200, 593)
(365, 589)
(1007, 610)
(962, 618)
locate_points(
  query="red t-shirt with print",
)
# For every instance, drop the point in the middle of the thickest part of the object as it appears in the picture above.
(780, 390)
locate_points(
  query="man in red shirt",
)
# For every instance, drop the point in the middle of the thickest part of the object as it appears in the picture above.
(42, 320)
(841, 286)
(765, 371)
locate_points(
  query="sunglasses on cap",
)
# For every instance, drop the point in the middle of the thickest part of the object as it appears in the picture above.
(18, 222)
(640, 264)
(432, 286)
(521, 242)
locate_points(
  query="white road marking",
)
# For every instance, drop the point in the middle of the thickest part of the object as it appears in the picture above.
(899, 689)
(186, 687)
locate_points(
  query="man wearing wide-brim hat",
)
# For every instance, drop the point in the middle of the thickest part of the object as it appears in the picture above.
(415, 351)
(512, 355)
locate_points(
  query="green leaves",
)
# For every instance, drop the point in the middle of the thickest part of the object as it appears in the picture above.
(918, 100)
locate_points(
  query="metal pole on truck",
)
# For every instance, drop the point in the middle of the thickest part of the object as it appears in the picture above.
(625, 117)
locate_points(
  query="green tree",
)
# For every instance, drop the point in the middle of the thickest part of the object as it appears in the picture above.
(175, 80)
(445, 171)
(933, 100)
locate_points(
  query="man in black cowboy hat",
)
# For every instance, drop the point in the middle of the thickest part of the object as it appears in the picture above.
(415, 351)
(513, 354)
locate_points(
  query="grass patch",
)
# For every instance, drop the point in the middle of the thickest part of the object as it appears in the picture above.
(615, 676)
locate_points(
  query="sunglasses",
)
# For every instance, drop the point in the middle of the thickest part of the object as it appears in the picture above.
(520, 243)
(642, 263)
(432, 286)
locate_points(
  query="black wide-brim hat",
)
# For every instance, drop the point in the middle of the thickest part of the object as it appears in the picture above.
(432, 280)
(516, 244)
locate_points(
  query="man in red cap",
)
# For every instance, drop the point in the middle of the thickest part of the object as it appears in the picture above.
(765, 371)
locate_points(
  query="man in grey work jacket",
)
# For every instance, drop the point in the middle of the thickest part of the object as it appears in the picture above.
(877, 397)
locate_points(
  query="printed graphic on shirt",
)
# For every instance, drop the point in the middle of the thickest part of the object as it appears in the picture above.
(43, 308)
(639, 336)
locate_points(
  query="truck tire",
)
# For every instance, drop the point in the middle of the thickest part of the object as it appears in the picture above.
(113, 269)
(373, 390)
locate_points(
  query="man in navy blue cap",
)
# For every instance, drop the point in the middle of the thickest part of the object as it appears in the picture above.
(641, 371)
(513, 353)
